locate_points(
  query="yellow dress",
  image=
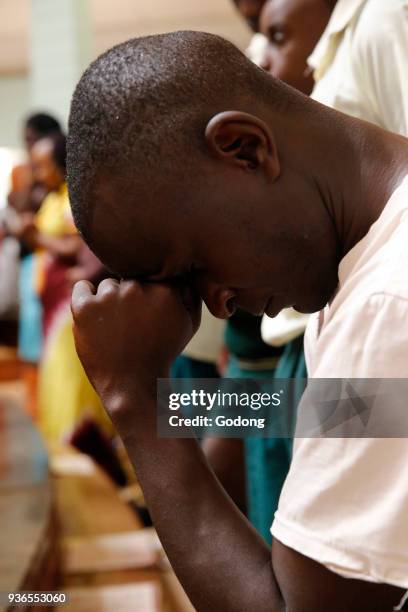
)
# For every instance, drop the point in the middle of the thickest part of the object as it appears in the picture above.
(65, 393)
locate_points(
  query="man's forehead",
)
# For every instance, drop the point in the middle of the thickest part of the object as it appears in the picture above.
(132, 237)
(122, 246)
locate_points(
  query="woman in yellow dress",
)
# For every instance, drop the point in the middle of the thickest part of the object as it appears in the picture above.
(65, 394)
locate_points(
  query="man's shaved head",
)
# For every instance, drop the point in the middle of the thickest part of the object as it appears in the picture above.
(139, 111)
(185, 161)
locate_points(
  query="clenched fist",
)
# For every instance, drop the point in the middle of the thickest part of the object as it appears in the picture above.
(127, 334)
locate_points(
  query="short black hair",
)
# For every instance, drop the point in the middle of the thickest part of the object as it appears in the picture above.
(43, 124)
(139, 112)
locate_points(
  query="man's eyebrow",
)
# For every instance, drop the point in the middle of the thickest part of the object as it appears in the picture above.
(144, 275)
(174, 279)
(180, 277)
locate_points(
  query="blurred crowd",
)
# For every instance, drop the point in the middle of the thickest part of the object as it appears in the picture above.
(44, 255)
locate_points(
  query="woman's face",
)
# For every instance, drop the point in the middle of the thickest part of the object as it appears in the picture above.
(45, 170)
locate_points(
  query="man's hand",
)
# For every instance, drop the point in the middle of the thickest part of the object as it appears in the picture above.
(128, 334)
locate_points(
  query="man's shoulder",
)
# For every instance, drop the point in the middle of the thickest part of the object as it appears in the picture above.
(383, 290)
(379, 265)
(389, 272)
(367, 318)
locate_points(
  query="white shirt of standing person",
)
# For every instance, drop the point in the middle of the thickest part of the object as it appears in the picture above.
(344, 502)
(360, 62)
(360, 67)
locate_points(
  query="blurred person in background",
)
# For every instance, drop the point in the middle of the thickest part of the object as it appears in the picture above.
(360, 63)
(47, 176)
(50, 232)
(18, 297)
(65, 394)
(291, 29)
(26, 193)
(250, 10)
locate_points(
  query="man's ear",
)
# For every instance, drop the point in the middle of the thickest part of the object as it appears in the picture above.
(243, 140)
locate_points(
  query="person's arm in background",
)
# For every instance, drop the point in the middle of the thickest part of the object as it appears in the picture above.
(127, 335)
(226, 457)
(88, 267)
(66, 246)
(27, 200)
(381, 59)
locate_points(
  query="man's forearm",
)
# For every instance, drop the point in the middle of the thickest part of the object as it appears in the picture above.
(220, 559)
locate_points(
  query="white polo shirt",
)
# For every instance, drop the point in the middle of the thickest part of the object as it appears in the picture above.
(360, 63)
(345, 501)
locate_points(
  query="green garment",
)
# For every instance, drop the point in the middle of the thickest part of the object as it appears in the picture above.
(243, 337)
(268, 459)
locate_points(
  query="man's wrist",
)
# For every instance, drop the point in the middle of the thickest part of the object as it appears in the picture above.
(127, 405)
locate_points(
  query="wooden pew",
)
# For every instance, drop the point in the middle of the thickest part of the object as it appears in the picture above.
(65, 527)
(29, 555)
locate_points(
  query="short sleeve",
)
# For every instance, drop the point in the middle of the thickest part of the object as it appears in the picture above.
(344, 501)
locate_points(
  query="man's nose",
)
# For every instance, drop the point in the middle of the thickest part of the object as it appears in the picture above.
(220, 301)
(266, 61)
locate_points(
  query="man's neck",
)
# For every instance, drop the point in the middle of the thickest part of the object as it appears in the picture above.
(358, 165)
(348, 166)
(380, 163)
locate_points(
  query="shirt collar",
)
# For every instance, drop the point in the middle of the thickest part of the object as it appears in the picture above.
(343, 14)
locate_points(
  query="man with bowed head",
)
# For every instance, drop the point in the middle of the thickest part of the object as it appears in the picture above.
(271, 200)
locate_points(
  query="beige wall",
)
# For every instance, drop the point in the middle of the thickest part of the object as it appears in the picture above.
(112, 21)
(139, 17)
(117, 20)
(14, 106)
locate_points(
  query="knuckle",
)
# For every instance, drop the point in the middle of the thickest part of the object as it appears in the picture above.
(107, 290)
(108, 293)
(130, 289)
(80, 307)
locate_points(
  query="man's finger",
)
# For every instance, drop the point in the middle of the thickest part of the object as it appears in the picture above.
(108, 287)
(81, 294)
(130, 288)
